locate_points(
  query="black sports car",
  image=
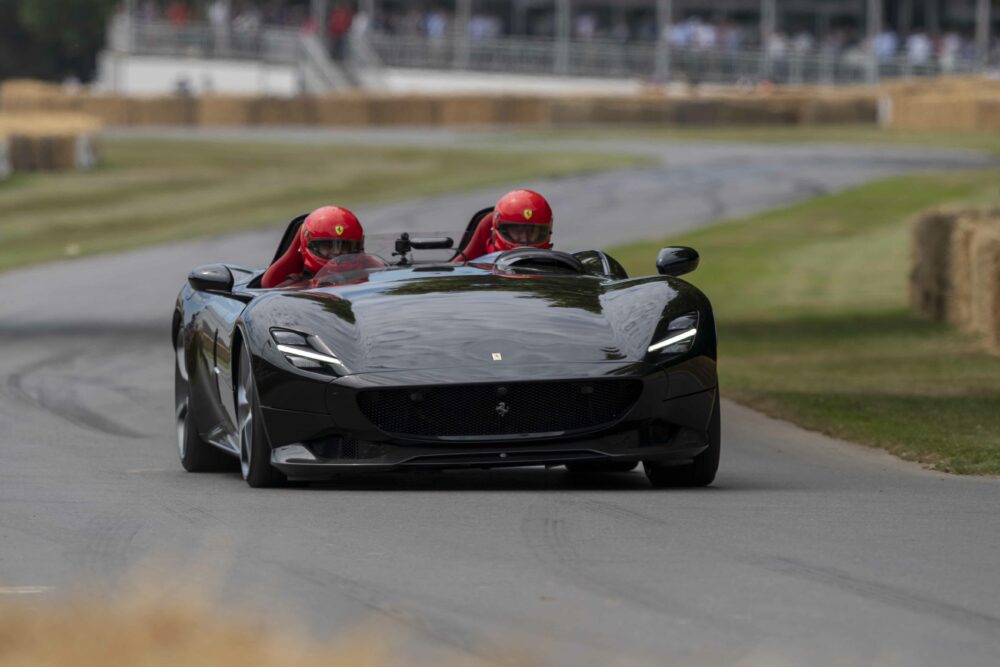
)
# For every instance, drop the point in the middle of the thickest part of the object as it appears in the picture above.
(523, 358)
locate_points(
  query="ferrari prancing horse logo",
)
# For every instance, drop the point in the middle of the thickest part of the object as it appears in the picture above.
(528, 213)
(502, 409)
(497, 356)
(339, 229)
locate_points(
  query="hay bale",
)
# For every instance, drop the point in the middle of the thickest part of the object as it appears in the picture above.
(859, 110)
(348, 110)
(114, 110)
(29, 95)
(524, 110)
(170, 110)
(226, 110)
(930, 272)
(285, 111)
(469, 110)
(958, 309)
(984, 253)
(401, 110)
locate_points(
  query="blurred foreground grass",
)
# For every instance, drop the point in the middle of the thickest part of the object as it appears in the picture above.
(814, 323)
(153, 191)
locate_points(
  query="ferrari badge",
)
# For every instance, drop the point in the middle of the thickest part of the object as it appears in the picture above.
(497, 356)
(339, 229)
(528, 213)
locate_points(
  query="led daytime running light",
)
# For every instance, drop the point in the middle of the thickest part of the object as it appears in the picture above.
(308, 354)
(690, 333)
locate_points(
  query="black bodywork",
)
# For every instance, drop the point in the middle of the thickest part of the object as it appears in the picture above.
(496, 362)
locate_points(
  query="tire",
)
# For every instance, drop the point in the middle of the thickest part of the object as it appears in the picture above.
(599, 467)
(196, 454)
(701, 471)
(255, 452)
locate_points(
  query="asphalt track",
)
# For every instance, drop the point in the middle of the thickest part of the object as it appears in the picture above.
(806, 550)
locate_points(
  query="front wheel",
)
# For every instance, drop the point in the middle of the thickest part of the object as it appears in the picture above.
(255, 453)
(196, 454)
(701, 471)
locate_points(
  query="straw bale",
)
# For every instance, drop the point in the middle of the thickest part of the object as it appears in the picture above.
(29, 95)
(524, 110)
(111, 109)
(931, 255)
(469, 110)
(226, 110)
(988, 115)
(986, 252)
(285, 111)
(858, 110)
(167, 110)
(343, 110)
(420, 110)
(958, 309)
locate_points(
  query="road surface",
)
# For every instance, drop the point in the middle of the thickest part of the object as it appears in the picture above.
(806, 550)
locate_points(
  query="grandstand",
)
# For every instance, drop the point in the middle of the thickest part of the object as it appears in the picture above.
(654, 41)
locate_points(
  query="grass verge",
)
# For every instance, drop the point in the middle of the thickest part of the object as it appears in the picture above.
(814, 323)
(154, 191)
(832, 134)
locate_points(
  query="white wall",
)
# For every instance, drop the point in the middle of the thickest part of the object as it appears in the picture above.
(448, 81)
(156, 75)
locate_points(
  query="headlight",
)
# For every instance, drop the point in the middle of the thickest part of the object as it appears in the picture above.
(307, 352)
(679, 337)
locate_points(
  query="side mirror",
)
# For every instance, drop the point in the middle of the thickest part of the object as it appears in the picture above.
(211, 278)
(676, 261)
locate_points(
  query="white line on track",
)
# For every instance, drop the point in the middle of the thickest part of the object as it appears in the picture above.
(24, 590)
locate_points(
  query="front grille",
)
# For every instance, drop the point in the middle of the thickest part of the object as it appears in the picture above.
(483, 410)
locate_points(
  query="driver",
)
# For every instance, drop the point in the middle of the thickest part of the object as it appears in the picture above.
(521, 219)
(326, 233)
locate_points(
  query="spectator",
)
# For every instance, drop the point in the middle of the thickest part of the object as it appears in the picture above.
(918, 49)
(218, 18)
(178, 14)
(339, 26)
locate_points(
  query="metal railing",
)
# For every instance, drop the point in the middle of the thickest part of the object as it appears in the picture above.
(268, 44)
(643, 60)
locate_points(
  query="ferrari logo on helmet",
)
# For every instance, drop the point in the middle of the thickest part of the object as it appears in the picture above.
(339, 229)
(528, 213)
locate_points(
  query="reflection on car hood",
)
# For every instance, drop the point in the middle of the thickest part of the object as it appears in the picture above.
(467, 316)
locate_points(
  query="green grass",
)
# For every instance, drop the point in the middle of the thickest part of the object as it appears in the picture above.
(814, 323)
(154, 191)
(855, 134)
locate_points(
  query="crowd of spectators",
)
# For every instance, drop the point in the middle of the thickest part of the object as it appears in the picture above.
(438, 22)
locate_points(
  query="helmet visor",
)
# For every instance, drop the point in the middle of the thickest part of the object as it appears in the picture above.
(330, 248)
(519, 233)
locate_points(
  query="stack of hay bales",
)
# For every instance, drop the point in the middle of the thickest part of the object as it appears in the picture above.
(367, 109)
(48, 141)
(955, 103)
(955, 275)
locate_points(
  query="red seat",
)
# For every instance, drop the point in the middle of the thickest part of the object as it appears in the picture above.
(289, 264)
(478, 244)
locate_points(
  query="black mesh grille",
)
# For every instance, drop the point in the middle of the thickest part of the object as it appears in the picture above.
(499, 409)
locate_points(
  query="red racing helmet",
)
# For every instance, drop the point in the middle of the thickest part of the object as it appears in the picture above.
(329, 232)
(521, 219)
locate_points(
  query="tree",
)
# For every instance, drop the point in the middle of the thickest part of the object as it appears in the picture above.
(52, 39)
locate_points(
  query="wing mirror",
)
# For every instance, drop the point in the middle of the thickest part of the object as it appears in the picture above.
(211, 278)
(677, 260)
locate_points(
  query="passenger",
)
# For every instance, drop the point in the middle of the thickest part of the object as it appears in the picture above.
(326, 233)
(521, 219)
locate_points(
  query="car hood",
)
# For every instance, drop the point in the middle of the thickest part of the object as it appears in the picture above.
(407, 320)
